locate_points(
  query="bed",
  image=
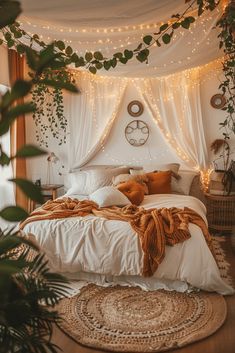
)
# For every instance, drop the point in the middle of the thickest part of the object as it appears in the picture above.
(108, 252)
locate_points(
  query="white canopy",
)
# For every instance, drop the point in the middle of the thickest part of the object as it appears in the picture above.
(111, 26)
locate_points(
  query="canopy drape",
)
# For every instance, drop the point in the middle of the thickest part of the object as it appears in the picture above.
(111, 26)
(91, 115)
(173, 102)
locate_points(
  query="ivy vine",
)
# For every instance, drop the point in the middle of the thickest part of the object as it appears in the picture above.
(49, 114)
(227, 42)
(15, 37)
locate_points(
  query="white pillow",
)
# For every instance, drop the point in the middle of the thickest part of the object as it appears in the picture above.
(85, 182)
(109, 196)
(183, 184)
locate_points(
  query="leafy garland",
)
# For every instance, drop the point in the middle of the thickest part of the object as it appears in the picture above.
(52, 107)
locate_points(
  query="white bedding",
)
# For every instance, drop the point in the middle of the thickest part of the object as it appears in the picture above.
(109, 252)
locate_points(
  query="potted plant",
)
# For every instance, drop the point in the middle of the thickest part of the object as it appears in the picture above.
(222, 177)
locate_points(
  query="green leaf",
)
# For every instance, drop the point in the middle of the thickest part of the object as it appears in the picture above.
(10, 43)
(118, 55)
(4, 159)
(107, 65)
(128, 54)
(92, 69)
(191, 19)
(123, 60)
(20, 48)
(7, 35)
(147, 39)
(176, 25)
(20, 89)
(99, 66)
(88, 56)
(98, 55)
(18, 110)
(60, 45)
(29, 151)
(185, 23)
(163, 27)
(32, 58)
(9, 11)
(61, 85)
(69, 50)
(13, 214)
(166, 38)
(29, 189)
(74, 57)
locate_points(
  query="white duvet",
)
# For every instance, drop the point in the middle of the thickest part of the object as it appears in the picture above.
(109, 252)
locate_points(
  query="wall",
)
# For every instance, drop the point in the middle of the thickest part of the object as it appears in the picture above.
(118, 151)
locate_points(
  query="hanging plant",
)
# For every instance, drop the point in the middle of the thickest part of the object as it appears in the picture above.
(49, 115)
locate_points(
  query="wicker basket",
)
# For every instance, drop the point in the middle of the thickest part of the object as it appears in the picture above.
(220, 212)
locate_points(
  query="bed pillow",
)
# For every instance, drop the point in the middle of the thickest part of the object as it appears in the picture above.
(109, 196)
(152, 167)
(133, 191)
(182, 186)
(87, 181)
(159, 182)
(122, 178)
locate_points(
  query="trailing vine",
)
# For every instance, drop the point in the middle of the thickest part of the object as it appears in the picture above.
(49, 114)
(16, 37)
(227, 42)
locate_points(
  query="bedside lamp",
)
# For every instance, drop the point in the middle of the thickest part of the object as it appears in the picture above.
(51, 159)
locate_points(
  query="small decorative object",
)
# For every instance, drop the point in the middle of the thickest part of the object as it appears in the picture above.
(137, 132)
(135, 108)
(218, 101)
(51, 159)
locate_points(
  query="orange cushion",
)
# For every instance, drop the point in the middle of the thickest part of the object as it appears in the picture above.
(133, 191)
(159, 183)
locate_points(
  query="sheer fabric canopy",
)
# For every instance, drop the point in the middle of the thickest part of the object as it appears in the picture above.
(112, 26)
(173, 102)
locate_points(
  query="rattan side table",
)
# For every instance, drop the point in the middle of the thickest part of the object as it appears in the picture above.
(220, 212)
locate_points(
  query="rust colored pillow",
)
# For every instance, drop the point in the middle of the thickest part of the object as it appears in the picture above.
(133, 191)
(159, 183)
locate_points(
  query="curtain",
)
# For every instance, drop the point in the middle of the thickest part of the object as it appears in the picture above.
(91, 114)
(18, 139)
(174, 104)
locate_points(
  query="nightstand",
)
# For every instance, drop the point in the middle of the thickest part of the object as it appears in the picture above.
(220, 212)
(49, 193)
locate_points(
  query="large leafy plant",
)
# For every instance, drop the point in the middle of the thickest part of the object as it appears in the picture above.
(28, 290)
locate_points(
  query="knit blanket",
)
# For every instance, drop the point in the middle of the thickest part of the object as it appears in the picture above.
(156, 227)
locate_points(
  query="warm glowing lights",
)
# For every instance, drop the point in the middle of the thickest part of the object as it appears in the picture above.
(205, 178)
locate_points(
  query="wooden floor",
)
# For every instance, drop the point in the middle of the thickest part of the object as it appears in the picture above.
(223, 341)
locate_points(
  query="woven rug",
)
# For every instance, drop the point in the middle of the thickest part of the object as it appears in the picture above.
(128, 319)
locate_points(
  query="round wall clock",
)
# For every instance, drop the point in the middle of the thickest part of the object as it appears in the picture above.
(137, 133)
(218, 101)
(135, 108)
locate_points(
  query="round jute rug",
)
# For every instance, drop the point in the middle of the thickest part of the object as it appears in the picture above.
(124, 319)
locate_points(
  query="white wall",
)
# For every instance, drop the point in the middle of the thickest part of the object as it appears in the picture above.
(118, 151)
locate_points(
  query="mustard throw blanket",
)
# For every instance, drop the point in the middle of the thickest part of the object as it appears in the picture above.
(156, 228)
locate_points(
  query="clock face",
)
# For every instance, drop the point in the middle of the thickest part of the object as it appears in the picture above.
(137, 132)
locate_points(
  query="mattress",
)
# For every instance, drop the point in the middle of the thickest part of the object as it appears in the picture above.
(109, 252)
